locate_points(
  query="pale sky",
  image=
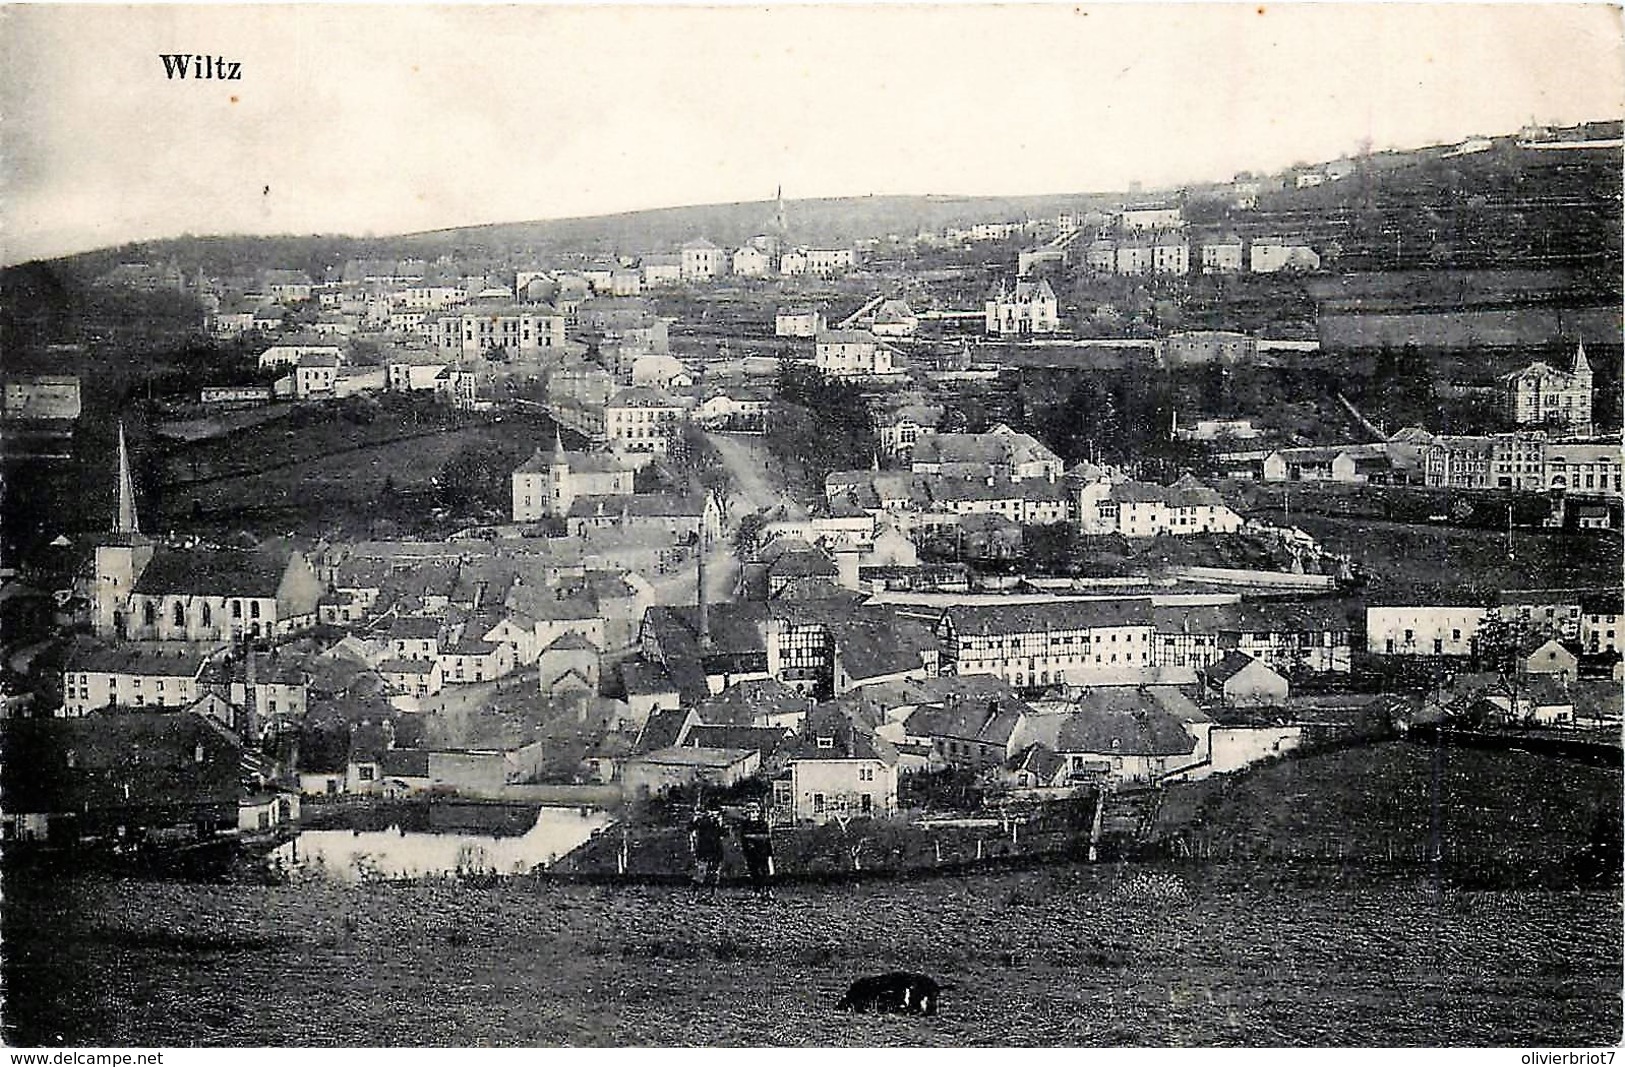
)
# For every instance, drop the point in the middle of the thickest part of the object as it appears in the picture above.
(395, 119)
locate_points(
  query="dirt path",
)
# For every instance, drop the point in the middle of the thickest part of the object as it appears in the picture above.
(750, 466)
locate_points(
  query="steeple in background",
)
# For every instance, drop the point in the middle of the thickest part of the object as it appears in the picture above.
(128, 522)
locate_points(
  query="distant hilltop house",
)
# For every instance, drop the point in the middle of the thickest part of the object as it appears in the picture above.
(1150, 217)
(293, 355)
(999, 453)
(798, 322)
(662, 269)
(1540, 394)
(1207, 346)
(852, 354)
(751, 262)
(1269, 255)
(894, 318)
(1223, 254)
(1024, 308)
(702, 260)
(44, 396)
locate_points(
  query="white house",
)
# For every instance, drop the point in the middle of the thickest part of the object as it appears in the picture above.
(1027, 307)
(836, 769)
(1423, 630)
(703, 260)
(798, 322)
(851, 354)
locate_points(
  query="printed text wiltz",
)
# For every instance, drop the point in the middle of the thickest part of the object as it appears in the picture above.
(220, 68)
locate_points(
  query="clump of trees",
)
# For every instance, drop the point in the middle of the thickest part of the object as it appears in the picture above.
(819, 424)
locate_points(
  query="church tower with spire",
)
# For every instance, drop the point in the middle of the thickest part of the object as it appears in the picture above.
(127, 521)
(781, 221)
(120, 558)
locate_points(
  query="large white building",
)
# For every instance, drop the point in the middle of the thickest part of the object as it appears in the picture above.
(1063, 641)
(644, 419)
(524, 330)
(549, 482)
(1027, 307)
(851, 354)
(1423, 629)
(703, 260)
(1141, 509)
(1267, 255)
(1540, 394)
(132, 675)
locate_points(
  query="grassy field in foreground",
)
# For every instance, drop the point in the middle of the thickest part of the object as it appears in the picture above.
(1065, 956)
(1262, 949)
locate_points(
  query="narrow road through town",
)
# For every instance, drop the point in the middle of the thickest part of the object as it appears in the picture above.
(754, 488)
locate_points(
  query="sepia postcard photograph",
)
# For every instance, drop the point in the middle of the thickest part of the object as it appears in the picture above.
(875, 525)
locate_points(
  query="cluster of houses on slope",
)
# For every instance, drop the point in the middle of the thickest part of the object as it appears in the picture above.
(1014, 477)
(1552, 454)
(1156, 240)
(805, 682)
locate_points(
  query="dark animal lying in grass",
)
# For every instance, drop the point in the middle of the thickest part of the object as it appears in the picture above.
(898, 991)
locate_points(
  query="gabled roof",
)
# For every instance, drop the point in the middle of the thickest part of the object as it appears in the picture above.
(144, 658)
(990, 722)
(1125, 722)
(216, 572)
(1038, 760)
(408, 666)
(404, 763)
(742, 703)
(571, 642)
(764, 739)
(416, 628)
(1608, 603)
(1230, 665)
(843, 740)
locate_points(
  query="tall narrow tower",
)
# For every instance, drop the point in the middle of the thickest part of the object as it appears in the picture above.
(128, 522)
(781, 221)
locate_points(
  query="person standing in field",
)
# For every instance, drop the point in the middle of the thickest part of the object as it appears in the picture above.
(705, 834)
(756, 840)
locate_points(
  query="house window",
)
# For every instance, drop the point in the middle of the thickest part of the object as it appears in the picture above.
(826, 742)
(364, 772)
(818, 803)
(254, 609)
(236, 609)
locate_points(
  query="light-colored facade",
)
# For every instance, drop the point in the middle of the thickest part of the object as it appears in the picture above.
(1423, 630)
(798, 322)
(1044, 643)
(1540, 394)
(1027, 307)
(851, 354)
(703, 261)
(549, 482)
(643, 419)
